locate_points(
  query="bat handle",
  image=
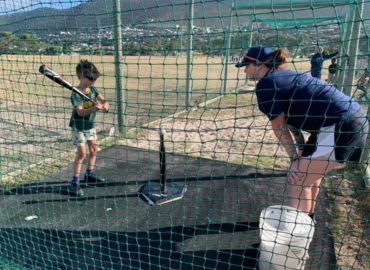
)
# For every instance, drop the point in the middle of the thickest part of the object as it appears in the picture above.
(96, 103)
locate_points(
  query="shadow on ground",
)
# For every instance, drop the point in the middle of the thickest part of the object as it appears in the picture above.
(153, 249)
(214, 226)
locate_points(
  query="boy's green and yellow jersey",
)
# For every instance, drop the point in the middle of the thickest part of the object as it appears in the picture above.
(81, 123)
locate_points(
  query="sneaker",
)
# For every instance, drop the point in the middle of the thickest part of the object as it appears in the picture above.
(75, 190)
(94, 179)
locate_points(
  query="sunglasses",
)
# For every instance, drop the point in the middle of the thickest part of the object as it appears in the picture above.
(91, 79)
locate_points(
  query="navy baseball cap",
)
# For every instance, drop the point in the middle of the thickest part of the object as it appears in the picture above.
(255, 55)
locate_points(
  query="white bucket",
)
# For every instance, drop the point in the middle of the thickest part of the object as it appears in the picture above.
(286, 234)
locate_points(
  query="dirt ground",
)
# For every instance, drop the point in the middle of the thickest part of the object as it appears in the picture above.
(230, 133)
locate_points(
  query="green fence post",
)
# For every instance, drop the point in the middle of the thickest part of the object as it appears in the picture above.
(227, 52)
(353, 47)
(189, 61)
(117, 65)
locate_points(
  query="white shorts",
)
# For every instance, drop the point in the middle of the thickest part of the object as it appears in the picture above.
(81, 137)
(325, 144)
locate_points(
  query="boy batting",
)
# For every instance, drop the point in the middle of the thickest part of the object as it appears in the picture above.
(83, 122)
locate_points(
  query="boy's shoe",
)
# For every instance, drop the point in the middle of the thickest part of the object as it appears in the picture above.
(75, 190)
(94, 179)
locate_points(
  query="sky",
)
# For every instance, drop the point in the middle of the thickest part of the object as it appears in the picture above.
(11, 6)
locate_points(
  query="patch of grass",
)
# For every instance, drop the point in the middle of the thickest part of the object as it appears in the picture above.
(349, 203)
(11, 267)
(35, 173)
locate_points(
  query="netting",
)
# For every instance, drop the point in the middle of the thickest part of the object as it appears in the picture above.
(195, 177)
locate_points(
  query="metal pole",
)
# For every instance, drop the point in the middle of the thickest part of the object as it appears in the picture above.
(250, 44)
(162, 162)
(179, 34)
(342, 52)
(367, 166)
(353, 48)
(117, 65)
(251, 35)
(227, 53)
(189, 61)
(345, 53)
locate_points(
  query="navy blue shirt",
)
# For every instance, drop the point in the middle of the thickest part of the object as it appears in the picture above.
(317, 62)
(307, 102)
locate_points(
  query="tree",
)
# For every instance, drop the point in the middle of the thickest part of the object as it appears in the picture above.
(30, 43)
(67, 47)
(5, 40)
(53, 50)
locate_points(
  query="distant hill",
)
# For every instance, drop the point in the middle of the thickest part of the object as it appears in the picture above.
(98, 14)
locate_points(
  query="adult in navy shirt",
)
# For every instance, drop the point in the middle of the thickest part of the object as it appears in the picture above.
(296, 102)
(317, 62)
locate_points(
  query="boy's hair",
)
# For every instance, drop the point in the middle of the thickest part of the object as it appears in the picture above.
(87, 69)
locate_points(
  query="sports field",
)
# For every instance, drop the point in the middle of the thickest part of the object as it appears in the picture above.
(36, 111)
(35, 114)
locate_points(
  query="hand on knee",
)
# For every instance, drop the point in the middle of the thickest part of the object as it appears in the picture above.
(297, 173)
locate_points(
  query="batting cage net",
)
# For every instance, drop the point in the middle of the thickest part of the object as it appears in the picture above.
(129, 139)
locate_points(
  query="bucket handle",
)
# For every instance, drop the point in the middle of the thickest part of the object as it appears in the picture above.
(300, 259)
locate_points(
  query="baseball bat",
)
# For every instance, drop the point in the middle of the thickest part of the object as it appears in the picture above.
(52, 75)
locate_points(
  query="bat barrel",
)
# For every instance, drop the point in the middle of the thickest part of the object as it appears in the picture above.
(42, 69)
(52, 75)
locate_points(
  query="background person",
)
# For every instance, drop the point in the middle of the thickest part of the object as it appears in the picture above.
(83, 121)
(333, 69)
(317, 61)
(296, 101)
(364, 80)
(363, 84)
